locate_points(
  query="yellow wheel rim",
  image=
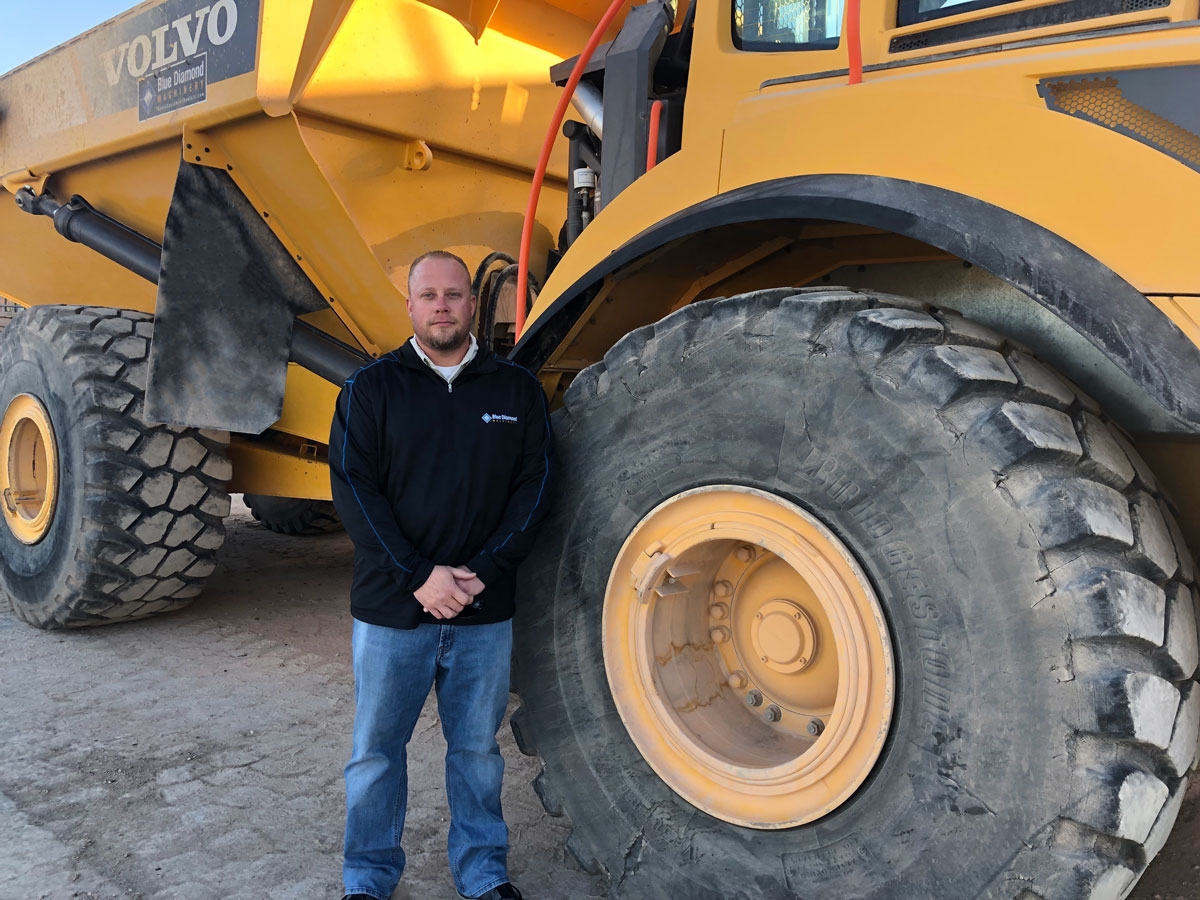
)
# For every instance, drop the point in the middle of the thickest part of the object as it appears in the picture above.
(748, 656)
(29, 474)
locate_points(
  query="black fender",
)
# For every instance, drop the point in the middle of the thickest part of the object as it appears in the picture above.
(1116, 344)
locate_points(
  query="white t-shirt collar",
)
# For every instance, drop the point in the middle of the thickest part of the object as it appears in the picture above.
(447, 372)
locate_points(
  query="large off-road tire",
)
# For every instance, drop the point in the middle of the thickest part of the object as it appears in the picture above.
(293, 515)
(784, 466)
(116, 518)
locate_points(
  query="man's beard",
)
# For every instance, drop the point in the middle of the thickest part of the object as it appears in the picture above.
(444, 340)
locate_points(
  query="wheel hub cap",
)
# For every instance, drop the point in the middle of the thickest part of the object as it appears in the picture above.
(29, 470)
(748, 656)
(783, 636)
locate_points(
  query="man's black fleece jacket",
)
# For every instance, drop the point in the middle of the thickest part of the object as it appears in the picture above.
(427, 473)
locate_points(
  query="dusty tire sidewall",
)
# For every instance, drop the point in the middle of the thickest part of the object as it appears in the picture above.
(952, 633)
(32, 572)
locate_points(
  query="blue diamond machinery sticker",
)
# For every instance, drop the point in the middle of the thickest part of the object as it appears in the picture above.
(148, 97)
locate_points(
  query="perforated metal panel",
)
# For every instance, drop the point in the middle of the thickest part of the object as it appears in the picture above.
(793, 15)
(1100, 100)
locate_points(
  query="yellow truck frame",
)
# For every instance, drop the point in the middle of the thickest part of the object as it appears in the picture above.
(871, 327)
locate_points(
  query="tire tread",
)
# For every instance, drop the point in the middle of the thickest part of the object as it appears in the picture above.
(130, 476)
(1114, 558)
(295, 517)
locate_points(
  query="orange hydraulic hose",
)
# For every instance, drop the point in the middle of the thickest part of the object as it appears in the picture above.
(854, 40)
(535, 189)
(652, 143)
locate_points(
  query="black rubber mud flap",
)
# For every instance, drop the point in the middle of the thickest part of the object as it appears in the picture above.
(227, 295)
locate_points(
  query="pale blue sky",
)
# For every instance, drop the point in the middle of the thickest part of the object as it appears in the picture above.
(31, 28)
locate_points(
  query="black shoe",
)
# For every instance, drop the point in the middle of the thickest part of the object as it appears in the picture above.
(358, 897)
(504, 892)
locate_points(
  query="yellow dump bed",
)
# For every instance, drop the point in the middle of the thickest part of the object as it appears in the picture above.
(366, 132)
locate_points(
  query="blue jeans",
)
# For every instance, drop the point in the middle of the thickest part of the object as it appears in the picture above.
(393, 671)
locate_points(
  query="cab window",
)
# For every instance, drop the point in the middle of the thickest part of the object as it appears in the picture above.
(783, 25)
(911, 12)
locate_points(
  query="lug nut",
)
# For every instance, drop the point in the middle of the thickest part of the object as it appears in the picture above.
(722, 588)
(719, 635)
(745, 553)
(719, 611)
(754, 698)
(772, 713)
(815, 727)
(737, 680)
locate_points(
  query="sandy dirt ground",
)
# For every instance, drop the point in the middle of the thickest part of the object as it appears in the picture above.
(198, 756)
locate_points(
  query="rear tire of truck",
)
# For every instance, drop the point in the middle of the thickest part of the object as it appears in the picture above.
(293, 515)
(845, 596)
(104, 517)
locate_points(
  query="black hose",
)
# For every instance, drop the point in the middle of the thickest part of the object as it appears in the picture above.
(482, 269)
(487, 304)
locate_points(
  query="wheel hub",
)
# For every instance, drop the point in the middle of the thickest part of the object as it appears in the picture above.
(783, 636)
(748, 656)
(29, 470)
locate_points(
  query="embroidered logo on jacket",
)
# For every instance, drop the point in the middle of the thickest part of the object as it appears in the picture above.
(489, 418)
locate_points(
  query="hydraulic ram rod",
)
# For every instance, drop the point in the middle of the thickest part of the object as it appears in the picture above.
(79, 221)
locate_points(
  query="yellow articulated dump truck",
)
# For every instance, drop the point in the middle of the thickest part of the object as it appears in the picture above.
(871, 327)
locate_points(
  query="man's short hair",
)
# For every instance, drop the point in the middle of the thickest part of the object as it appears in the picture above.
(437, 254)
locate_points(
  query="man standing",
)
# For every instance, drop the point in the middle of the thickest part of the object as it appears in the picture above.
(440, 461)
